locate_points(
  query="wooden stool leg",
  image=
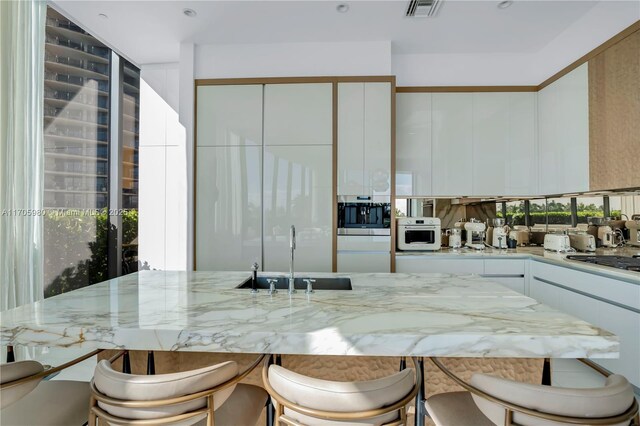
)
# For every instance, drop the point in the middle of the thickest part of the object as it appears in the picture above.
(420, 397)
(151, 363)
(126, 363)
(10, 355)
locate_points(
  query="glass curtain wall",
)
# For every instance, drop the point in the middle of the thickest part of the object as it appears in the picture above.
(77, 140)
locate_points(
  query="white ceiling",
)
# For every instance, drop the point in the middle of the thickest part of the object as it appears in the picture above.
(151, 31)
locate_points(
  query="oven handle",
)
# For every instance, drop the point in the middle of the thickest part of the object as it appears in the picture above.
(418, 227)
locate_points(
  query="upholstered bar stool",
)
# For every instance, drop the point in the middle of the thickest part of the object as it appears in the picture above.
(302, 400)
(491, 400)
(26, 399)
(212, 395)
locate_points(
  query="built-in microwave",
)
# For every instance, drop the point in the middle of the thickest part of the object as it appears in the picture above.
(364, 215)
(419, 233)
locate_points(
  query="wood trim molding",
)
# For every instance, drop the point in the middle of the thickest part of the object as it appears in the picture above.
(294, 80)
(334, 189)
(458, 89)
(592, 54)
(392, 178)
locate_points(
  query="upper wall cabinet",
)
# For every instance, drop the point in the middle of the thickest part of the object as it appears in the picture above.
(364, 139)
(229, 115)
(298, 114)
(563, 134)
(452, 143)
(504, 143)
(614, 116)
(413, 144)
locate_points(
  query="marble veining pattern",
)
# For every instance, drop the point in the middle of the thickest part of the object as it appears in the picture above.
(384, 314)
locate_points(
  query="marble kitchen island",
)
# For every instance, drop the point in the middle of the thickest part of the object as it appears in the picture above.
(384, 315)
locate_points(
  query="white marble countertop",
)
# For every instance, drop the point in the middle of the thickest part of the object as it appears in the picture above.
(384, 315)
(540, 254)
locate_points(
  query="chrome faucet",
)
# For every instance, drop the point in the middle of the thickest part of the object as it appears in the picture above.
(292, 247)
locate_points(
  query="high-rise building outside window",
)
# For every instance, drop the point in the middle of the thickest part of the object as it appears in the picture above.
(77, 140)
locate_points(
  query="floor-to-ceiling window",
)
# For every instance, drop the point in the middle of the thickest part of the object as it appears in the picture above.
(79, 133)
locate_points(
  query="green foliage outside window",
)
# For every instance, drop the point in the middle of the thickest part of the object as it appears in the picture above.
(78, 242)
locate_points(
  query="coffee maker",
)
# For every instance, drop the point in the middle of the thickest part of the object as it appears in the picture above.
(475, 234)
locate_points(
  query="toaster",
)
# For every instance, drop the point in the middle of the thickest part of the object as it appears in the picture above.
(583, 242)
(557, 242)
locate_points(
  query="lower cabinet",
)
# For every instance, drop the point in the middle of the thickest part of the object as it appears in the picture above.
(364, 253)
(552, 285)
(508, 272)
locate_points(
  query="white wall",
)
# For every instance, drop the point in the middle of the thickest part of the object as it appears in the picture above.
(293, 59)
(162, 228)
(599, 24)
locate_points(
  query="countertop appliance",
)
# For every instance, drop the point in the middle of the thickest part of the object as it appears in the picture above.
(475, 234)
(557, 242)
(634, 232)
(455, 238)
(583, 242)
(500, 233)
(364, 215)
(419, 233)
(620, 262)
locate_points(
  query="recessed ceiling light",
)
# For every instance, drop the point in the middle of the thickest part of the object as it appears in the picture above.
(505, 4)
(189, 12)
(342, 8)
(103, 16)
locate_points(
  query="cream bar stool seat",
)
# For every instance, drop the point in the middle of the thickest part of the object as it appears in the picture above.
(491, 400)
(301, 400)
(211, 395)
(27, 400)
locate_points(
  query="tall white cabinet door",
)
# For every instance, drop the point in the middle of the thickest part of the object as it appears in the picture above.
(298, 191)
(521, 171)
(452, 142)
(490, 142)
(413, 144)
(563, 134)
(351, 139)
(229, 115)
(298, 114)
(228, 207)
(377, 139)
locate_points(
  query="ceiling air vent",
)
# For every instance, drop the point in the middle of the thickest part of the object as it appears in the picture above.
(423, 8)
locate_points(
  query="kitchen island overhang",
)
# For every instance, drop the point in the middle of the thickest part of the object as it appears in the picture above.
(384, 315)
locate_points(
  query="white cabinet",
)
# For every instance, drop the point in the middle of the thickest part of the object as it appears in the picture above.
(298, 114)
(504, 144)
(228, 194)
(563, 134)
(452, 144)
(360, 253)
(364, 138)
(229, 115)
(243, 213)
(604, 302)
(508, 272)
(413, 144)
(298, 191)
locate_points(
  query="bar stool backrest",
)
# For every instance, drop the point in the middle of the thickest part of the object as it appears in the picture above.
(13, 371)
(131, 387)
(615, 398)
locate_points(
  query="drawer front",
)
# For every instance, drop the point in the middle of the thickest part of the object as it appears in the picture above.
(514, 283)
(364, 243)
(364, 262)
(419, 264)
(504, 266)
(623, 293)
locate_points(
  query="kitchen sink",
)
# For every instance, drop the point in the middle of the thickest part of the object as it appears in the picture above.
(324, 283)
